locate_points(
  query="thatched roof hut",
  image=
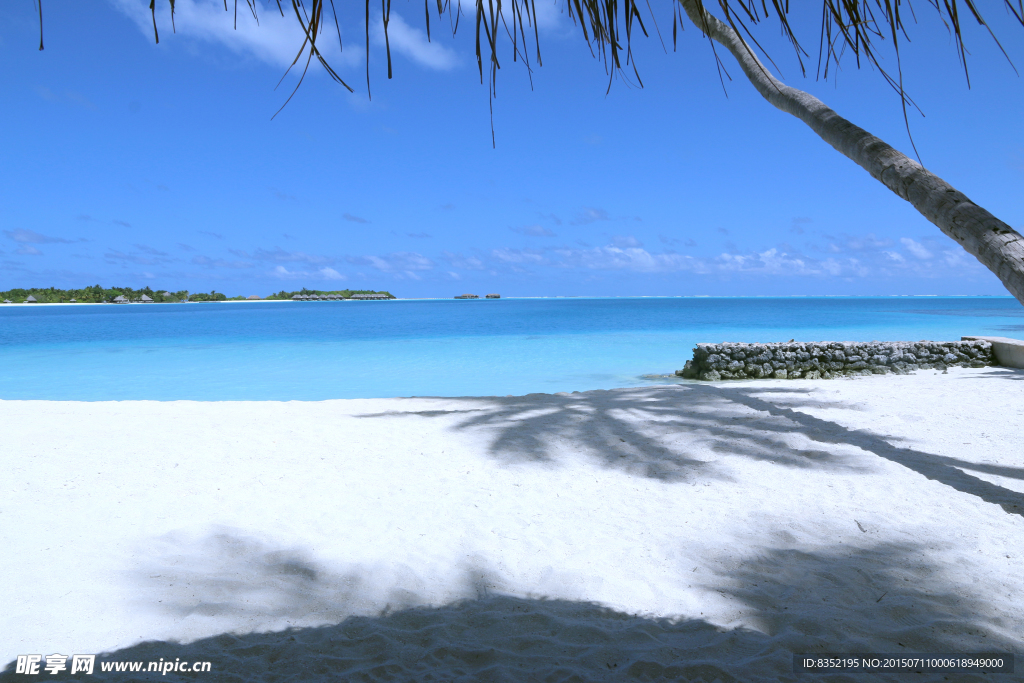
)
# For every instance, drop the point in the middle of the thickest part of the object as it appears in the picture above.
(253, 298)
(145, 299)
(7, 301)
(120, 300)
(31, 300)
(494, 296)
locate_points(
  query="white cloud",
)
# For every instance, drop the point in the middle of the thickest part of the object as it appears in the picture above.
(517, 255)
(916, 248)
(958, 258)
(400, 261)
(279, 255)
(625, 241)
(202, 261)
(275, 40)
(464, 262)
(31, 236)
(331, 274)
(632, 258)
(776, 262)
(321, 274)
(534, 231)
(412, 42)
(895, 256)
(589, 215)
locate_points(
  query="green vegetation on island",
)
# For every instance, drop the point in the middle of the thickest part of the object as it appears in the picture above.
(97, 294)
(347, 293)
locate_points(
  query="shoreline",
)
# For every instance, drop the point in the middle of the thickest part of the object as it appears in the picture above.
(766, 516)
(555, 297)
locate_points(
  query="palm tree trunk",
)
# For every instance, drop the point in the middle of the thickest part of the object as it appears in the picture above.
(998, 246)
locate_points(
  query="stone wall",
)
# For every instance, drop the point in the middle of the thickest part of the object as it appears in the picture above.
(827, 360)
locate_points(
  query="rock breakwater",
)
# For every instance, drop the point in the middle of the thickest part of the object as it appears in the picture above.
(828, 360)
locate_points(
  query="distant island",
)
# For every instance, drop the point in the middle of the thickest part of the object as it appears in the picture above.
(99, 295)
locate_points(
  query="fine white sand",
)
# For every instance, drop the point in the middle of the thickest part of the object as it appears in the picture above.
(699, 531)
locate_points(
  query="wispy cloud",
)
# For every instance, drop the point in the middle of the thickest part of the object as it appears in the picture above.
(798, 224)
(418, 235)
(215, 235)
(354, 219)
(412, 42)
(220, 263)
(324, 273)
(279, 255)
(33, 237)
(518, 256)
(121, 223)
(408, 262)
(152, 258)
(464, 262)
(589, 215)
(626, 241)
(275, 40)
(916, 248)
(149, 250)
(28, 250)
(534, 231)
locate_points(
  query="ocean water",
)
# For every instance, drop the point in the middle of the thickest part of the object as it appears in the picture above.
(323, 350)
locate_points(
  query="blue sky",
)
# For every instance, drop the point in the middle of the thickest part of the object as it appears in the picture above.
(126, 162)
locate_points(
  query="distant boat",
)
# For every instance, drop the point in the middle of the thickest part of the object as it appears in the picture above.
(494, 296)
(467, 296)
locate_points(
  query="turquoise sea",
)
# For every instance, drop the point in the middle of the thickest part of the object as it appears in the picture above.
(323, 350)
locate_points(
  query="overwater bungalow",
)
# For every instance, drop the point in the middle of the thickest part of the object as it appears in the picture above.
(370, 297)
(494, 296)
(467, 296)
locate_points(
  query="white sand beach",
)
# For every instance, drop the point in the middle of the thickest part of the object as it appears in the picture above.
(701, 531)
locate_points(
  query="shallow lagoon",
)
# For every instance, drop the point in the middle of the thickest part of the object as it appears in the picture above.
(325, 350)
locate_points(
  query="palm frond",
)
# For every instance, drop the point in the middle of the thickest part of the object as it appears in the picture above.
(607, 26)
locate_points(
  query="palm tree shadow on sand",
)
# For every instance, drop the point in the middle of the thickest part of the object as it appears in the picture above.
(876, 598)
(661, 433)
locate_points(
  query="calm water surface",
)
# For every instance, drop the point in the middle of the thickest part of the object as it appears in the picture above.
(323, 350)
